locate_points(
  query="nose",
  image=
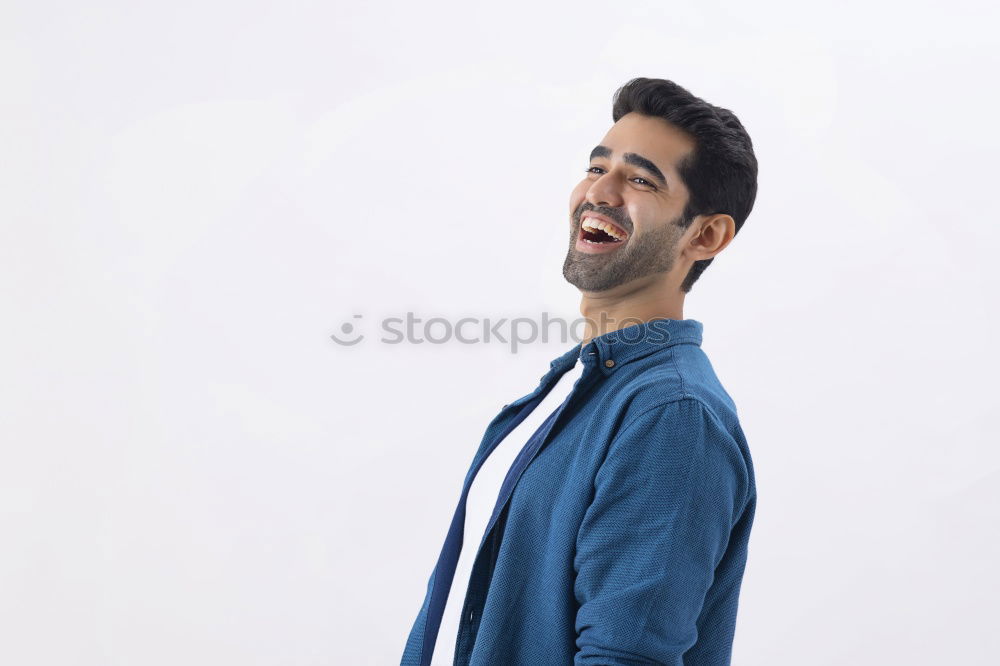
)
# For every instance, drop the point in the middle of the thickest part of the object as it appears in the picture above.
(605, 191)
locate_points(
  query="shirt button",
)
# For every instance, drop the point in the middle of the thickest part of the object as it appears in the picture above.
(609, 363)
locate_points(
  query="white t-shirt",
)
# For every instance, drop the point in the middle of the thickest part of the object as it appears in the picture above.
(483, 494)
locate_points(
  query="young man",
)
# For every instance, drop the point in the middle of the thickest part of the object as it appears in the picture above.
(622, 489)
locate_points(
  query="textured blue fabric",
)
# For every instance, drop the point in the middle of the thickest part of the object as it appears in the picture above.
(622, 534)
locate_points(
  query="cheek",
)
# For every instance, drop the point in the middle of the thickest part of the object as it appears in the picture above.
(577, 196)
(638, 216)
(645, 217)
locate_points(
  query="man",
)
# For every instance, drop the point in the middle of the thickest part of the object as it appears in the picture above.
(619, 534)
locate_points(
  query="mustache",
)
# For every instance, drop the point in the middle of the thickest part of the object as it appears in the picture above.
(616, 215)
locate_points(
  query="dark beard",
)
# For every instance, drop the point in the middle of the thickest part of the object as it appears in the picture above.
(646, 254)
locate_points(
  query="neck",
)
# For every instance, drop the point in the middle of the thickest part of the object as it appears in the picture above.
(621, 307)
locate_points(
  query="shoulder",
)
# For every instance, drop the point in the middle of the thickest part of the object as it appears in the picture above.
(680, 373)
(683, 444)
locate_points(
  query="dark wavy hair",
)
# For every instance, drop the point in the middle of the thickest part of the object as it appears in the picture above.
(721, 171)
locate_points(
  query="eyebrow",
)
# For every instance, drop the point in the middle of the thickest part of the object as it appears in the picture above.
(634, 159)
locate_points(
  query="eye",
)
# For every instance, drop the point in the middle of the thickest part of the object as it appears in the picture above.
(644, 181)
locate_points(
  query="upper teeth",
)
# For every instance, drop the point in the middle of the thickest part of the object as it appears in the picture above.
(593, 224)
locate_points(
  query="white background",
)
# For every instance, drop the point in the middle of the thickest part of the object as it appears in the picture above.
(195, 195)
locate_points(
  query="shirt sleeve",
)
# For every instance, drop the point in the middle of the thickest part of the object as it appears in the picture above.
(665, 500)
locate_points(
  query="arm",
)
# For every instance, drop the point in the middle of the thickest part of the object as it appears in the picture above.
(666, 498)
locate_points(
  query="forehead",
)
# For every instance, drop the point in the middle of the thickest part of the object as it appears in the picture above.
(653, 138)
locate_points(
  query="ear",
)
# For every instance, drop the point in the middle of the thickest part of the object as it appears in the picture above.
(710, 234)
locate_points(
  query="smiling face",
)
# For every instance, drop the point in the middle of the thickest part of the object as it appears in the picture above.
(625, 214)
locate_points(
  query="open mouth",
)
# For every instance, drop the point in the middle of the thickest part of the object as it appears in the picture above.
(599, 232)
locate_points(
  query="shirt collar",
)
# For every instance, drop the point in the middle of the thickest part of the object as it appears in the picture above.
(613, 350)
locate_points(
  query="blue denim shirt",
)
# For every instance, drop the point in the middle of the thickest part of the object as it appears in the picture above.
(624, 541)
